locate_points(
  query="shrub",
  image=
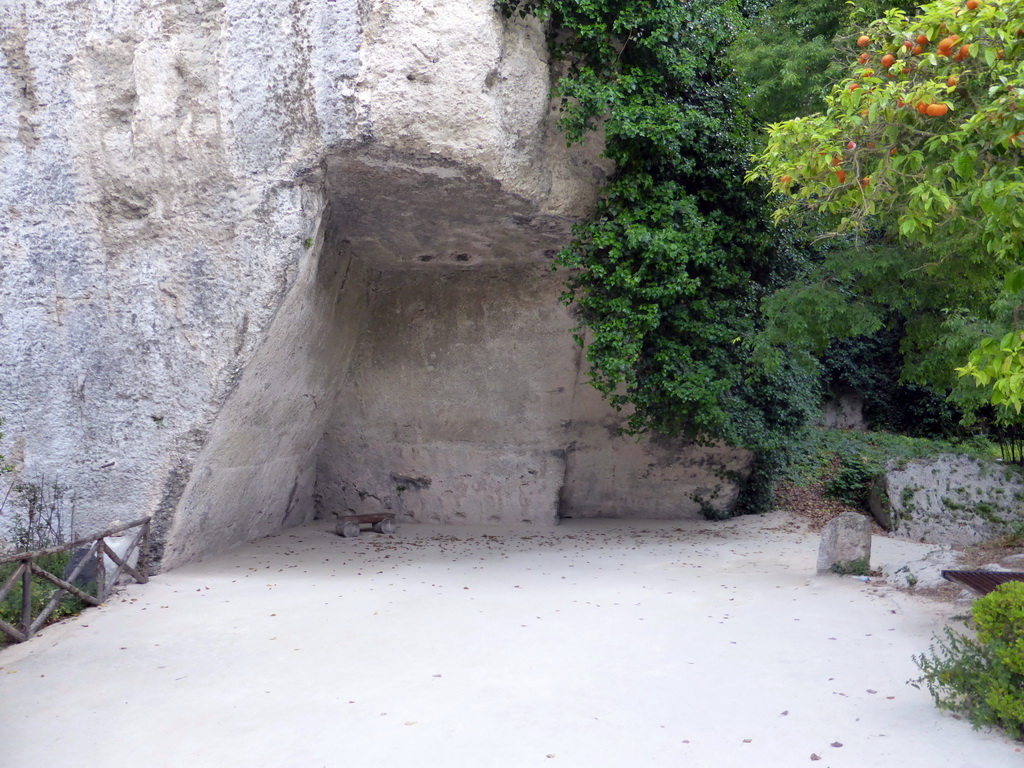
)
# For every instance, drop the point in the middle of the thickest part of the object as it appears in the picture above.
(47, 510)
(42, 591)
(852, 481)
(861, 567)
(982, 677)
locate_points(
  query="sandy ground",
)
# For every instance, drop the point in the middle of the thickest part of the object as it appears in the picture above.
(593, 644)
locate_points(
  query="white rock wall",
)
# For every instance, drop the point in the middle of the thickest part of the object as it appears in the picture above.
(949, 499)
(209, 210)
(158, 180)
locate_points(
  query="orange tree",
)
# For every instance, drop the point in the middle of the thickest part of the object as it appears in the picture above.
(921, 142)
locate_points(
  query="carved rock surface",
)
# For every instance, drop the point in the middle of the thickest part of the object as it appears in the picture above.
(258, 255)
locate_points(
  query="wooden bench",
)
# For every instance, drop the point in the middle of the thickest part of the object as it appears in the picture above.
(350, 525)
(982, 582)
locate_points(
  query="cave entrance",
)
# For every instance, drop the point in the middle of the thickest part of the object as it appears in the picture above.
(457, 401)
(422, 363)
(463, 399)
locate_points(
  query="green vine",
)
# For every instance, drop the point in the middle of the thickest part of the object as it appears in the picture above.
(668, 274)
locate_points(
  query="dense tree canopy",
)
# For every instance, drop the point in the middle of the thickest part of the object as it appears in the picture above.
(786, 56)
(917, 156)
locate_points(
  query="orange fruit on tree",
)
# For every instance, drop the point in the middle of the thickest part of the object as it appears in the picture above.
(937, 110)
(863, 58)
(854, 87)
(918, 50)
(863, 41)
(952, 81)
(922, 107)
(972, 4)
(836, 161)
(786, 179)
(908, 44)
(888, 60)
(864, 182)
(922, 39)
(841, 175)
(963, 53)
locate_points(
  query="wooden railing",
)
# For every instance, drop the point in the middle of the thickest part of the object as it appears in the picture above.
(98, 552)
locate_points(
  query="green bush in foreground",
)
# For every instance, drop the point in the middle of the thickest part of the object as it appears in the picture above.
(982, 677)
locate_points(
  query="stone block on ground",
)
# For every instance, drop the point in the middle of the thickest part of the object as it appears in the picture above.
(922, 573)
(845, 544)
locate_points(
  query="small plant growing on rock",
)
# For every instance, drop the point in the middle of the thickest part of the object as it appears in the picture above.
(859, 567)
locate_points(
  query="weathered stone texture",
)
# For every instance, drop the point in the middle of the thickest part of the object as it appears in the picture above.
(231, 228)
(949, 499)
(845, 544)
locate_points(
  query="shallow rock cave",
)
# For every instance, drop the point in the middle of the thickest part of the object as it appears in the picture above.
(424, 364)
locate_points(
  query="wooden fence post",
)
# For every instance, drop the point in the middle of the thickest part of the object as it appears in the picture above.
(26, 597)
(27, 569)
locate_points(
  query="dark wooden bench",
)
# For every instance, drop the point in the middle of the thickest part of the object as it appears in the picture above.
(350, 525)
(982, 582)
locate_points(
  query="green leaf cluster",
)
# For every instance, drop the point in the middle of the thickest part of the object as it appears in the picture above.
(786, 57)
(925, 210)
(982, 677)
(668, 274)
(950, 181)
(999, 364)
(42, 592)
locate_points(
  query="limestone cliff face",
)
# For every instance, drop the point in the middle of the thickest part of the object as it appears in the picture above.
(260, 254)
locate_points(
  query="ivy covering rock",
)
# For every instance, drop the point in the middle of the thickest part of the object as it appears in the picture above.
(669, 272)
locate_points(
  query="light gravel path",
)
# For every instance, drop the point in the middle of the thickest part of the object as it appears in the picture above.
(594, 644)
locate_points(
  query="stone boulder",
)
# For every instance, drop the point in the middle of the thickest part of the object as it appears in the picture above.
(845, 544)
(949, 499)
(922, 573)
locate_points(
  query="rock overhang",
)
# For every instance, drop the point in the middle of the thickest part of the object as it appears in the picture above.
(396, 210)
(201, 308)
